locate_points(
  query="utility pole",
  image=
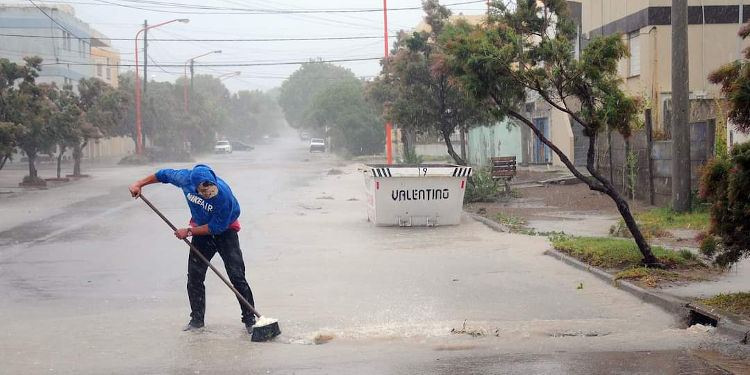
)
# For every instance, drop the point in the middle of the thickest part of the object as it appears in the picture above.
(191, 77)
(145, 56)
(680, 108)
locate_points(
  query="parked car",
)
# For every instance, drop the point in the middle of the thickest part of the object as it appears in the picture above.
(304, 136)
(223, 147)
(240, 146)
(317, 144)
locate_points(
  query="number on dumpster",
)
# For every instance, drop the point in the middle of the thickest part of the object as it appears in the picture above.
(423, 172)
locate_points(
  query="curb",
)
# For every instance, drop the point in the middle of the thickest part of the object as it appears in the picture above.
(497, 227)
(726, 324)
(683, 309)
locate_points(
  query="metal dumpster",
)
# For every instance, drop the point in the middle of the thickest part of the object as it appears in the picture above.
(415, 194)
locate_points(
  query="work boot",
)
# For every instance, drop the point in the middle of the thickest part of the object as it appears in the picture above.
(249, 326)
(193, 325)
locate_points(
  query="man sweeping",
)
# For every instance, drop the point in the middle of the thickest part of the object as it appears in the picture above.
(213, 228)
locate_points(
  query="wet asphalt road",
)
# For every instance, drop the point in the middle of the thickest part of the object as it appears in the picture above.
(93, 282)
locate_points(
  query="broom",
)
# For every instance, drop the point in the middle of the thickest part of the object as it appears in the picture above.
(265, 328)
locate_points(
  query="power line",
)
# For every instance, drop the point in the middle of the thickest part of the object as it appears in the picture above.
(225, 65)
(217, 40)
(55, 21)
(155, 63)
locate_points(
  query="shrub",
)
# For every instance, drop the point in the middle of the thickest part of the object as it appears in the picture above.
(481, 188)
(708, 246)
(411, 157)
(726, 183)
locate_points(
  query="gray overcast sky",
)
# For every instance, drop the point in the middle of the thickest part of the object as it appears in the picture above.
(119, 21)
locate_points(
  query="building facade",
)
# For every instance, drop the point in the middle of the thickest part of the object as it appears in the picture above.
(105, 59)
(70, 49)
(646, 28)
(59, 38)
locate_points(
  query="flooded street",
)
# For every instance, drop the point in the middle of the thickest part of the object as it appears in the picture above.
(93, 282)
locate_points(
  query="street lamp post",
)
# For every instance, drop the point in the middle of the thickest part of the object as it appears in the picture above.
(184, 81)
(138, 122)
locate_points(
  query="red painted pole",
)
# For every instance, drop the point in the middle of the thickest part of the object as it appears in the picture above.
(138, 122)
(138, 137)
(388, 140)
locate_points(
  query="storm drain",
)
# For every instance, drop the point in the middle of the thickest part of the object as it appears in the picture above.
(696, 317)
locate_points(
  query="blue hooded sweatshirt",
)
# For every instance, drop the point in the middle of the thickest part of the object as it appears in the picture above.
(218, 212)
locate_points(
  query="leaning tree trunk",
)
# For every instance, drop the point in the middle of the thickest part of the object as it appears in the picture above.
(77, 156)
(59, 160)
(447, 137)
(601, 184)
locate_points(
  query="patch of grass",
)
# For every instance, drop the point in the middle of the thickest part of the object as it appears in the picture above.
(612, 252)
(656, 222)
(648, 277)
(737, 303)
(515, 223)
(33, 180)
(696, 220)
(687, 254)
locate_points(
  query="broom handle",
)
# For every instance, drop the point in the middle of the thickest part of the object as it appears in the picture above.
(203, 258)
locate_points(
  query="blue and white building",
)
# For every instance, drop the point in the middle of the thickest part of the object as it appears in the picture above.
(51, 32)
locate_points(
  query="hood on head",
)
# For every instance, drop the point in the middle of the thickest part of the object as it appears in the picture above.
(202, 172)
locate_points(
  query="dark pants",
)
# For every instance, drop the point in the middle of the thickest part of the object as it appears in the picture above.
(227, 244)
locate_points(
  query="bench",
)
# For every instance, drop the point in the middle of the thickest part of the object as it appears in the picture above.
(503, 168)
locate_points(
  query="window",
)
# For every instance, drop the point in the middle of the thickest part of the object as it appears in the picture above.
(66, 41)
(99, 68)
(635, 55)
(109, 70)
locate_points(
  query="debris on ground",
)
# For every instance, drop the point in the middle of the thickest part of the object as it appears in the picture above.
(700, 328)
(322, 338)
(579, 334)
(473, 332)
(308, 207)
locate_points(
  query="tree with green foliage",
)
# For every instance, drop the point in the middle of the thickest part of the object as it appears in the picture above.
(734, 79)
(342, 112)
(298, 91)
(9, 135)
(726, 179)
(424, 97)
(65, 121)
(26, 103)
(528, 51)
(253, 114)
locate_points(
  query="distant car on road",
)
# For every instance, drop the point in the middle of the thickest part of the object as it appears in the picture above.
(240, 146)
(304, 136)
(317, 144)
(223, 147)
